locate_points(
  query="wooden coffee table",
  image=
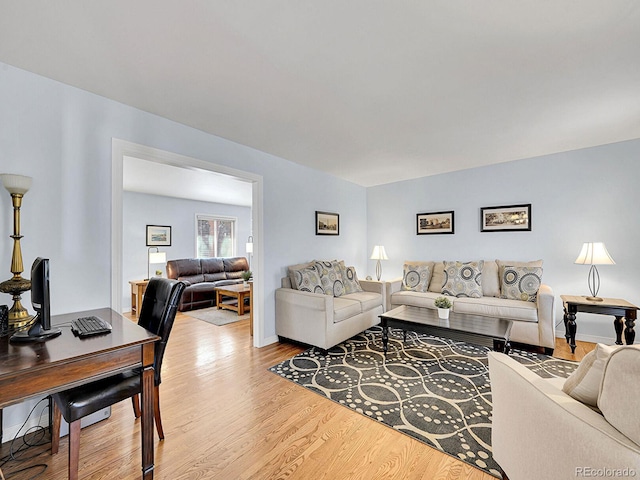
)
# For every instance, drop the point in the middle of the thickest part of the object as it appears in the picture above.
(485, 331)
(238, 291)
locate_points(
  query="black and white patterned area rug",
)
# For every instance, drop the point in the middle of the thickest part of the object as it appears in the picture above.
(433, 389)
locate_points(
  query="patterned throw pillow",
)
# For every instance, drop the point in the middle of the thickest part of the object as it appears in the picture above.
(331, 277)
(463, 279)
(308, 280)
(416, 277)
(521, 283)
(350, 279)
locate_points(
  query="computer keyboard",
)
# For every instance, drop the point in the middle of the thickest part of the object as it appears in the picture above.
(88, 326)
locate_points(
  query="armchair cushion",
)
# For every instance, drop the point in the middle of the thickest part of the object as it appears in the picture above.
(584, 383)
(620, 390)
(344, 308)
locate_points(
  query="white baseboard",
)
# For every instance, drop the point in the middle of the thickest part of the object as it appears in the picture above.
(590, 338)
(10, 431)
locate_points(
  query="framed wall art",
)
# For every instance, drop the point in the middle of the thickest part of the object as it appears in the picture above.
(434, 223)
(327, 223)
(158, 236)
(510, 218)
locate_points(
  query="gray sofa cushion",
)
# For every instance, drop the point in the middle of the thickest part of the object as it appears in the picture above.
(497, 307)
(368, 300)
(344, 308)
(415, 299)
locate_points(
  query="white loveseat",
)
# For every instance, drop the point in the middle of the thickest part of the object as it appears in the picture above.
(538, 431)
(324, 320)
(533, 321)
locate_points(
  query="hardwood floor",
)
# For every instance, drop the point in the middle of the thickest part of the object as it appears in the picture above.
(226, 417)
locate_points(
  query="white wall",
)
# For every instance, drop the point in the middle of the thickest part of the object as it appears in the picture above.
(578, 196)
(140, 210)
(61, 136)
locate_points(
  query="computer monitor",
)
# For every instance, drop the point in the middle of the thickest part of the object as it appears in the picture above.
(40, 329)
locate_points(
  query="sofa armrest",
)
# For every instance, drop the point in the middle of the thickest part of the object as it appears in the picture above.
(375, 286)
(524, 402)
(392, 287)
(545, 303)
(303, 316)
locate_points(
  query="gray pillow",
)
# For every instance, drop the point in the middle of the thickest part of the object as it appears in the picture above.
(463, 279)
(521, 283)
(416, 276)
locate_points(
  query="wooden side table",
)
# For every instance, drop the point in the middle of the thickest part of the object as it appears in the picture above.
(618, 308)
(138, 287)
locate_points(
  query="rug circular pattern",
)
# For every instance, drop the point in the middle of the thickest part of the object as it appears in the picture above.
(434, 389)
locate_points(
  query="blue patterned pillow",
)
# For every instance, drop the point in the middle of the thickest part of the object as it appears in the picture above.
(463, 279)
(521, 283)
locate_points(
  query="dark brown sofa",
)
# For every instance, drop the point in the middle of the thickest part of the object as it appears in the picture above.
(202, 275)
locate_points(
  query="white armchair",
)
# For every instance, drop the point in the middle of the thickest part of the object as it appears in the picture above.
(540, 432)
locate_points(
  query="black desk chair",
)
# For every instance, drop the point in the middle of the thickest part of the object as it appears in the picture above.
(157, 315)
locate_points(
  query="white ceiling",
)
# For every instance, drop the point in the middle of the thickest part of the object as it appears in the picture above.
(153, 178)
(373, 91)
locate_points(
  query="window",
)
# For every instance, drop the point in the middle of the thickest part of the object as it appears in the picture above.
(215, 236)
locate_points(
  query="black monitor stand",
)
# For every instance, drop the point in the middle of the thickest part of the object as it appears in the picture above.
(35, 334)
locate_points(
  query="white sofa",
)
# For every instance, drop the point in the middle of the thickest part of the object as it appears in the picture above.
(533, 322)
(540, 432)
(326, 320)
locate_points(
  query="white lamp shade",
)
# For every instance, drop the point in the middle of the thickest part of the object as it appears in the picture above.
(594, 253)
(16, 183)
(158, 257)
(379, 253)
(249, 247)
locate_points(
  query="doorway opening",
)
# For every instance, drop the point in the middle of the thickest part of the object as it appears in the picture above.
(122, 149)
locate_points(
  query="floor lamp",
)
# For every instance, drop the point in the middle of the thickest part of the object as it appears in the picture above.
(249, 249)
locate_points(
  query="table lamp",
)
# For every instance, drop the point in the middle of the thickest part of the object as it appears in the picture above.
(154, 257)
(379, 254)
(594, 253)
(17, 186)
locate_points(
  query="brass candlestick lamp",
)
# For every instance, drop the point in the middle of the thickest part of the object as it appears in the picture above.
(17, 185)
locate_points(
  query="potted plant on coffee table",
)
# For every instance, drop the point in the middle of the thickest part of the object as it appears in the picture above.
(246, 276)
(443, 304)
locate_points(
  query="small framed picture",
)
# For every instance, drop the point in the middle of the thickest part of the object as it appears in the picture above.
(510, 218)
(434, 223)
(158, 236)
(327, 223)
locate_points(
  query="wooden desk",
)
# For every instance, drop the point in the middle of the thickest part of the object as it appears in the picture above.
(67, 361)
(238, 291)
(616, 307)
(138, 287)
